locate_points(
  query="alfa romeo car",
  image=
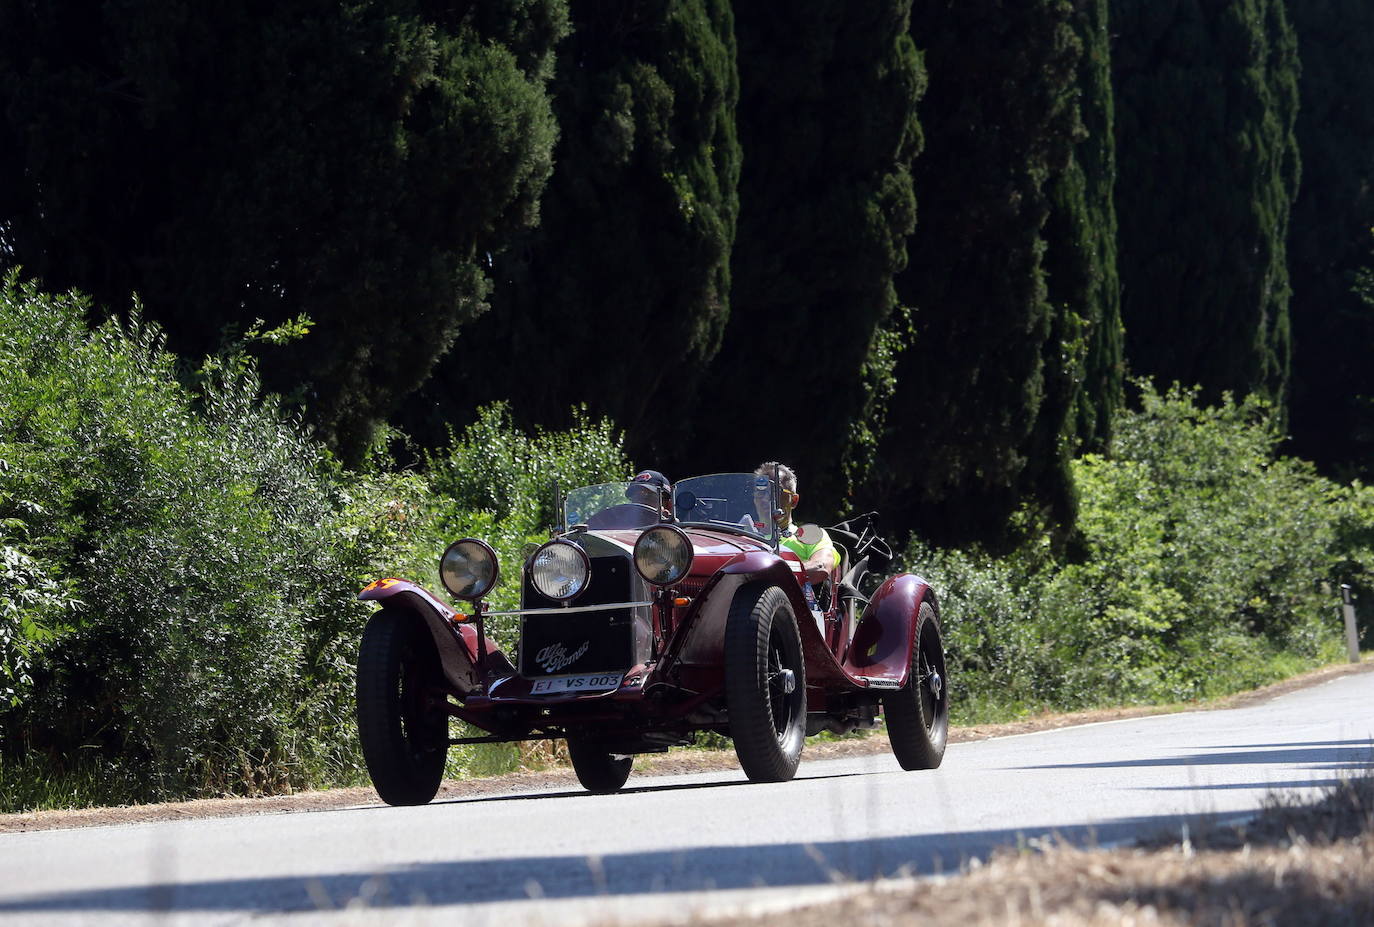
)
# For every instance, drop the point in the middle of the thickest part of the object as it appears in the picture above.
(649, 617)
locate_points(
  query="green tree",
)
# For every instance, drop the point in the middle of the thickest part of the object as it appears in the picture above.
(1206, 98)
(619, 298)
(232, 161)
(828, 125)
(1333, 381)
(982, 390)
(1081, 235)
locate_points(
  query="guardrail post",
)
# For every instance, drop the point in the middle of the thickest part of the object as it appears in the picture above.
(1352, 638)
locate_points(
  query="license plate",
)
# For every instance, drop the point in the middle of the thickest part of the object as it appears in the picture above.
(593, 683)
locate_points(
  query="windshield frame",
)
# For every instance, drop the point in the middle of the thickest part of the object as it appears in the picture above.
(612, 493)
(772, 537)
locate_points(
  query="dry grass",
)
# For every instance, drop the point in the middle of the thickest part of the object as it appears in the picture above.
(1294, 865)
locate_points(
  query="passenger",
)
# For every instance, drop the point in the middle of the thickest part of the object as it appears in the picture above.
(651, 488)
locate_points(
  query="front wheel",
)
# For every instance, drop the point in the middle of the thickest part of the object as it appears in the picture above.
(597, 770)
(918, 713)
(765, 683)
(402, 719)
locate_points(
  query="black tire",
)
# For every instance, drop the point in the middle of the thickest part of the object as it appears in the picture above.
(597, 770)
(402, 722)
(918, 713)
(767, 720)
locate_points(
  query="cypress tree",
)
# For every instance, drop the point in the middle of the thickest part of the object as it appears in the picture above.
(1206, 98)
(981, 390)
(618, 299)
(1332, 418)
(234, 161)
(829, 130)
(1081, 260)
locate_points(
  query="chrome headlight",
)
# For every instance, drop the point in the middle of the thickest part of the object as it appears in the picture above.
(663, 555)
(468, 568)
(560, 570)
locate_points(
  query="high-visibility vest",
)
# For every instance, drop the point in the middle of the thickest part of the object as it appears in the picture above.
(806, 552)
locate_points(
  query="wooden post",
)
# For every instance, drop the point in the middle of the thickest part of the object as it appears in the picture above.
(1352, 637)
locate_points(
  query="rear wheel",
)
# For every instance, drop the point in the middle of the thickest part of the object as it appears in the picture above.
(765, 683)
(402, 719)
(918, 713)
(598, 770)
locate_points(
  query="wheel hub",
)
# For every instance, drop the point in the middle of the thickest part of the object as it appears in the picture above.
(787, 680)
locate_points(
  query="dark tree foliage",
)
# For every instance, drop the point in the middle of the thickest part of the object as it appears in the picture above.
(241, 160)
(619, 298)
(1081, 258)
(1332, 404)
(982, 396)
(829, 129)
(1206, 98)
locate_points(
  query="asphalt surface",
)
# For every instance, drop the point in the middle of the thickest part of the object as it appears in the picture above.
(669, 848)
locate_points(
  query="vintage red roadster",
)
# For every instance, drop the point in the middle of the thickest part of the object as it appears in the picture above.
(643, 622)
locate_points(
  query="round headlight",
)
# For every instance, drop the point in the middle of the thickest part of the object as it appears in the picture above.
(663, 555)
(468, 568)
(560, 570)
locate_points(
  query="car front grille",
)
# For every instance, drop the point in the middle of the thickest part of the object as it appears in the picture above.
(581, 642)
(692, 586)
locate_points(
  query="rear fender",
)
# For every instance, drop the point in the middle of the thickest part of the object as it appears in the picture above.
(455, 639)
(886, 633)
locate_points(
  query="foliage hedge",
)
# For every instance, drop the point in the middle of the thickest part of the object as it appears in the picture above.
(1205, 564)
(179, 565)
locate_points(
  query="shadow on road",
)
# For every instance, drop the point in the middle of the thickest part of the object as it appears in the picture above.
(629, 790)
(1313, 756)
(542, 876)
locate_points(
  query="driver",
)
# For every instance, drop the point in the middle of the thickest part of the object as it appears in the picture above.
(651, 488)
(816, 553)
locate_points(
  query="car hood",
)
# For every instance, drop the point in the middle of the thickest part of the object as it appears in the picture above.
(711, 549)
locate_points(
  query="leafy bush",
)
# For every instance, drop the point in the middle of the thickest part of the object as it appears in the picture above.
(218, 551)
(1201, 569)
(496, 482)
(179, 565)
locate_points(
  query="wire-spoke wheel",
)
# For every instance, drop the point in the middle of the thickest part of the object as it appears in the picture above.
(765, 683)
(402, 717)
(918, 713)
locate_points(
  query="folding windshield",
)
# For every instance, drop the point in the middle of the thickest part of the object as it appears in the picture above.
(742, 502)
(611, 506)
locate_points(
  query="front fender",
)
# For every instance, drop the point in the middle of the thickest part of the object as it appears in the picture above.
(762, 565)
(704, 631)
(455, 640)
(886, 634)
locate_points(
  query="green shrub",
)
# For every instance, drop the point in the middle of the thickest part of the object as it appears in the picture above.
(496, 483)
(1205, 565)
(179, 566)
(217, 548)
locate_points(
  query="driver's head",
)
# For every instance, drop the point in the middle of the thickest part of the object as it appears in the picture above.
(649, 487)
(787, 490)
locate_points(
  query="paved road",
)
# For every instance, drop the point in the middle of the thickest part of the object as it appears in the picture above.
(689, 843)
